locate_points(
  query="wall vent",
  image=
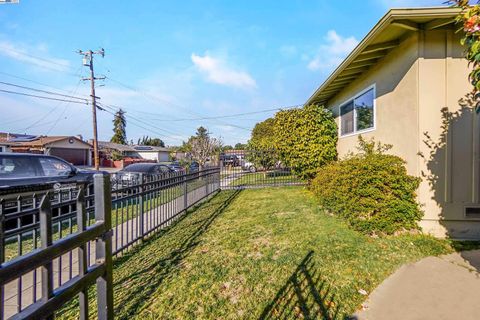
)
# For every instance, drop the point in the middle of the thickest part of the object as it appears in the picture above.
(472, 212)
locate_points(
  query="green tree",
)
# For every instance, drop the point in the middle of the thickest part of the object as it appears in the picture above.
(240, 146)
(202, 146)
(147, 141)
(119, 128)
(306, 139)
(261, 145)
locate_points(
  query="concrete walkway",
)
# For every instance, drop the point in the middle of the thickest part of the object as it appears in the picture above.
(446, 287)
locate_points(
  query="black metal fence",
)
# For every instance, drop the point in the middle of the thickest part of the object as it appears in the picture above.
(56, 244)
(242, 169)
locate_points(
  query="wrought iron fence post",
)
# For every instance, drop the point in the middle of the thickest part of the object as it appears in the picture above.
(141, 219)
(46, 241)
(103, 252)
(82, 252)
(2, 257)
(185, 192)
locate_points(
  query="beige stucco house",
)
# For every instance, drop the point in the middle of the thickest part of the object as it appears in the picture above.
(393, 87)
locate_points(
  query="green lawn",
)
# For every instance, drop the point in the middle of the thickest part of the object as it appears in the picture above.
(269, 254)
(262, 178)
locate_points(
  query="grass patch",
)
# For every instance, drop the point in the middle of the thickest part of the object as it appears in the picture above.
(265, 178)
(270, 253)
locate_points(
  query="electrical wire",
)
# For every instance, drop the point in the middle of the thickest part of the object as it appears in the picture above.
(40, 90)
(41, 97)
(230, 116)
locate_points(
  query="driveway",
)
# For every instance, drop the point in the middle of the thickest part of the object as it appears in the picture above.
(446, 287)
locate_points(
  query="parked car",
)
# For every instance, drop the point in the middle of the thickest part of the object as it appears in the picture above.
(193, 167)
(249, 166)
(23, 172)
(132, 171)
(176, 166)
(229, 160)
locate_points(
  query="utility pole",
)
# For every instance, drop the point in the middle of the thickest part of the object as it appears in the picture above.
(88, 61)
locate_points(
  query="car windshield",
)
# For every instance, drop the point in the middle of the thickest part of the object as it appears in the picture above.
(15, 167)
(18, 167)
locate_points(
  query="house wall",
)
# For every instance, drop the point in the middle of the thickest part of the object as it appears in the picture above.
(161, 156)
(76, 152)
(5, 149)
(66, 144)
(413, 83)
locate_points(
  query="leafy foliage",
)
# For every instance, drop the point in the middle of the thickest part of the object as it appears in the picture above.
(154, 142)
(202, 146)
(240, 146)
(469, 18)
(371, 190)
(262, 145)
(119, 128)
(305, 138)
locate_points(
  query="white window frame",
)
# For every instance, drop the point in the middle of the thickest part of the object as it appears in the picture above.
(355, 131)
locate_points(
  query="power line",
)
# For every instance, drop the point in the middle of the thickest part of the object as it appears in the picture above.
(141, 121)
(229, 116)
(140, 126)
(43, 91)
(172, 104)
(41, 97)
(36, 82)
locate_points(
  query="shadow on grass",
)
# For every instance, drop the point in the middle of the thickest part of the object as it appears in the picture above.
(303, 296)
(148, 274)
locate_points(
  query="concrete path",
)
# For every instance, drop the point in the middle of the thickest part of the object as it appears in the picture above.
(446, 287)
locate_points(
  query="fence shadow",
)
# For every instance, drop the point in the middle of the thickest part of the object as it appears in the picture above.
(303, 296)
(149, 274)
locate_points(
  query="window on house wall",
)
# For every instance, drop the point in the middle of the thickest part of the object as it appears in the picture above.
(358, 114)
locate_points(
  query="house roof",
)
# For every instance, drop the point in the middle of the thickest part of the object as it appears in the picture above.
(385, 36)
(129, 148)
(22, 140)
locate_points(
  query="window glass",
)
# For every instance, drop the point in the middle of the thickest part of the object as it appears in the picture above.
(364, 110)
(54, 168)
(346, 116)
(17, 167)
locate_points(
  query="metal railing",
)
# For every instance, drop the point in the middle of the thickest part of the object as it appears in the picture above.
(89, 223)
(241, 169)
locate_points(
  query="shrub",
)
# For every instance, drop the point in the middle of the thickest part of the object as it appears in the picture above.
(305, 138)
(371, 190)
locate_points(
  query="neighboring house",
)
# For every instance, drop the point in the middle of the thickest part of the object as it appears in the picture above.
(69, 148)
(393, 87)
(157, 154)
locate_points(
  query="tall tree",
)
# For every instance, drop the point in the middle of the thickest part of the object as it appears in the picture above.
(202, 146)
(306, 138)
(262, 145)
(119, 128)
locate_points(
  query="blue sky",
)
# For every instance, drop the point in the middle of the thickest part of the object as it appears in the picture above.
(167, 61)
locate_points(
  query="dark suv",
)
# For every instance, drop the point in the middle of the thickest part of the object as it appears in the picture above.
(229, 160)
(23, 172)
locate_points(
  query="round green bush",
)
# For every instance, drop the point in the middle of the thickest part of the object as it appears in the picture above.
(371, 190)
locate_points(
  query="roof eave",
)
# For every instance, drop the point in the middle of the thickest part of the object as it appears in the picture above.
(391, 16)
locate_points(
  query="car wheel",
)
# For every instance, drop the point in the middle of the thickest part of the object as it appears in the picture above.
(252, 169)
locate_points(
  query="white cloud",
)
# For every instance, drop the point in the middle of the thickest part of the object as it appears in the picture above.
(331, 54)
(26, 54)
(217, 71)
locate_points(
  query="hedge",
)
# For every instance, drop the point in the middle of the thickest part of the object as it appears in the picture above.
(371, 190)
